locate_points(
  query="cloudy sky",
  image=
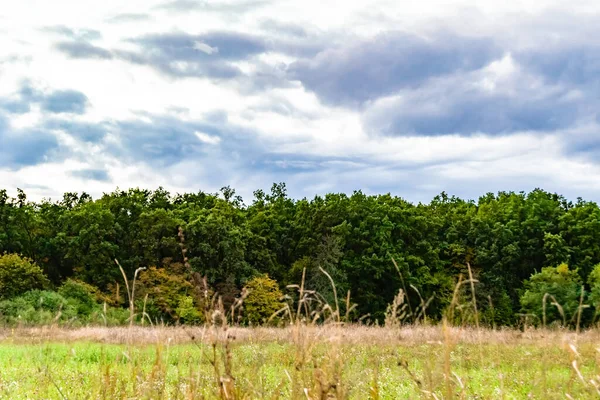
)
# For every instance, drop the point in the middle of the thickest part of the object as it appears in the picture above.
(407, 97)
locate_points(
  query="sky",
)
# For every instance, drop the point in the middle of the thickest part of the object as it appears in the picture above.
(412, 98)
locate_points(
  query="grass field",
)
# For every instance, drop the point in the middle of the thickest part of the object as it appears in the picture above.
(303, 363)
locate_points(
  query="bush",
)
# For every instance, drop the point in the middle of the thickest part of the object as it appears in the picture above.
(11, 310)
(561, 283)
(19, 275)
(187, 311)
(263, 300)
(165, 290)
(84, 294)
(110, 316)
(38, 307)
(116, 316)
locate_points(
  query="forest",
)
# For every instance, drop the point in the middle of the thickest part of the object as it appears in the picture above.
(527, 253)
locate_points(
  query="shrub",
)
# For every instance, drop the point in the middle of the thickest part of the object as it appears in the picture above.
(187, 311)
(11, 310)
(46, 307)
(84, 294)
(19, 275)
(262, 301)
(116, 316)
(110, 316)
(164, 290)
(561, 283)
(38, 307)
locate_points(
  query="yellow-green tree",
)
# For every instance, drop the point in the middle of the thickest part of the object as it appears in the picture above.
(263, 300)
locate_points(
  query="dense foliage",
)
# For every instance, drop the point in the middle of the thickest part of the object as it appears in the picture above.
(19, 275)
(507, 238)
(263, 300)
(553, 294)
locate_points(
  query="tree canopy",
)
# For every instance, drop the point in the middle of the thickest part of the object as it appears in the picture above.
(506, 238)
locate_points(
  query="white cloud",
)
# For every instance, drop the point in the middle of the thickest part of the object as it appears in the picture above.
(203, 47)
(208, 139)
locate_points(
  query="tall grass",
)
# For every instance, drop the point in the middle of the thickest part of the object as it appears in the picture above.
(314, 353)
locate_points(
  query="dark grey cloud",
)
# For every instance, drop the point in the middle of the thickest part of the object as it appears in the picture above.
(28, 93)
(84, 131)
(184, 47)
(182, 55)
(165, 140)
(582, 143)
(211, 55)
(219, 117)
(18, 106)
(353, 74)
(23, 147)
(574, 65)
(79, 46)
(459, 106)
(83, 50)
(65, 101)
(56, 102)
(553, 88)
(92, 174)
(20, 102)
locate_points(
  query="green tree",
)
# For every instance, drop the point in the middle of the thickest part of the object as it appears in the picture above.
(216, 244)
(559, 288)
(556, 249)
(594, 284)
(90, 239)
(580, 228)
(19, 275)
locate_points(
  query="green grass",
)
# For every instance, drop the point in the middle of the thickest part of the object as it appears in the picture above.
(282, 369)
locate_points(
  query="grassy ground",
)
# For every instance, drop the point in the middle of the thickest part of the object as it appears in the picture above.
(307, 363)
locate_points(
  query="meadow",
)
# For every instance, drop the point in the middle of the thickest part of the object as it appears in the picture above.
(297, 362)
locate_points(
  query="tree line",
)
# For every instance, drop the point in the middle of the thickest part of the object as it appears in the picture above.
(519, 247)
